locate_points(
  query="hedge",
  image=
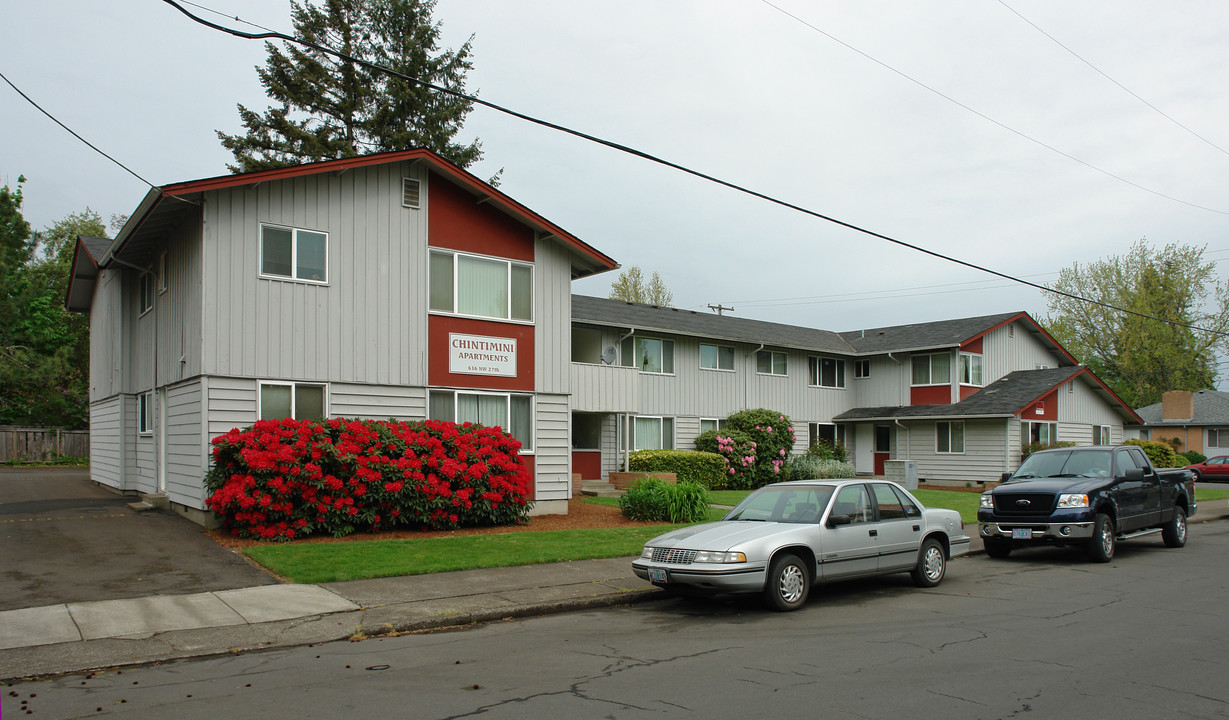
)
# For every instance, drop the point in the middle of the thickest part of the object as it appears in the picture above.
(703, 468)
(1161, 454)
(282, 479)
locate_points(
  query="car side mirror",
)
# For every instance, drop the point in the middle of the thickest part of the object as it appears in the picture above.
(1005, 477)
(834, 520)
(1133, 474)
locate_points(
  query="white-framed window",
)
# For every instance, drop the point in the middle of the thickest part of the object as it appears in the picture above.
(511, 412)
(649, 354)
(1218, 437)
(480, 286)
(716, 357)
(949, 436)
(162, 272)
(1101, 435)
(707, 424)
(145, 413)
(288, 253)
(652, 433)
(829, 433)
(1038, 432)
(301, 401)
(970, 369)
(861, 369)
(827, 372)
(147, 292)
(771, 362)
(935, 369)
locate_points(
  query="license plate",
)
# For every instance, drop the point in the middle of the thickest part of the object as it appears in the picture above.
(657, 575)
(1021, 533)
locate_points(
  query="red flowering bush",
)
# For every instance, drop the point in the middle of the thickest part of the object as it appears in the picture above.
(282, 479)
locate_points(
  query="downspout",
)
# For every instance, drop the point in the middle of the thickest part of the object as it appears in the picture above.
(908, 449)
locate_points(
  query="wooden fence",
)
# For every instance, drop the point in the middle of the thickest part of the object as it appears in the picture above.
(27, 443)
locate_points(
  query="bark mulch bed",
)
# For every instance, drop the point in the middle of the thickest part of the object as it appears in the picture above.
(581, 515)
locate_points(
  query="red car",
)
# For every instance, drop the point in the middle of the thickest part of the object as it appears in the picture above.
(1212, 469)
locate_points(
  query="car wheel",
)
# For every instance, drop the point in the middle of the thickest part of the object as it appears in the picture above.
(1174, 532)
(931, 565)
(1101, 544)
(998, 549)
(789, 582)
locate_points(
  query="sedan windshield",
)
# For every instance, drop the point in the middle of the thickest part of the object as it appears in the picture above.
(783, 504)
(1085, 463)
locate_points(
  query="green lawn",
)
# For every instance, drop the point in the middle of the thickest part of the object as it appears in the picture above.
(1202, 494)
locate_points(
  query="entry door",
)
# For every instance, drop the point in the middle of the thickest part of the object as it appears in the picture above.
(864, 449)
(851, 549)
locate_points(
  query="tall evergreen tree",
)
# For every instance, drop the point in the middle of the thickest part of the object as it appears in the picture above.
(1140, 358)
(326, 108)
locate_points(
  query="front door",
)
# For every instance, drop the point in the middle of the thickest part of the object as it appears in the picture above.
(864, 449)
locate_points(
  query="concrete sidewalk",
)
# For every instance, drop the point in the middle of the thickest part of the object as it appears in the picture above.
(85, 635)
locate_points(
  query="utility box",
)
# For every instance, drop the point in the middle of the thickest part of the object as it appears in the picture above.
(901, 472)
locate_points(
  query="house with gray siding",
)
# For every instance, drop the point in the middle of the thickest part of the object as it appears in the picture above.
(959, 397)
(1197, 421)
(386, 286)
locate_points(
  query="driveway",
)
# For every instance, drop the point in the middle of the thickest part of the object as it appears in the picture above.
(65, 539)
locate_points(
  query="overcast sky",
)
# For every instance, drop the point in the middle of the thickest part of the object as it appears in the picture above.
(807, 102)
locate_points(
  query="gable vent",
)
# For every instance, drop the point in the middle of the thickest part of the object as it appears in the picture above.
(411, 189)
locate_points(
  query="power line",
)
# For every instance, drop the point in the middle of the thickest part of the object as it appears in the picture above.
(1107, 77)
(666, 163)
(987, 118)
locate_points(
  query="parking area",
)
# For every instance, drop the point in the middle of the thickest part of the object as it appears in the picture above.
(64, 539)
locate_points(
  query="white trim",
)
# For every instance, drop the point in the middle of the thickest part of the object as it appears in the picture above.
(963, 438)
(771, 364)
(294, 255)
(292, 385)
(508, 262)
(145, 414)
(718, 368)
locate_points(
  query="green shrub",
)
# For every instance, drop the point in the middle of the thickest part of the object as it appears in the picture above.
(1034, 447)
(1161, 454)
(737, 451)
(824, 450)
(656, 501)
(703, 468)
(1192, 457)
(812, 467)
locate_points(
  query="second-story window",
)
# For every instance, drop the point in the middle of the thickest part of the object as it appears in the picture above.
(716, 357)
(970, 369)
(827, 372)
(650, 355)
(933, 369)
(293, 254)
(147, 292)
(481, 286)
(769, 362)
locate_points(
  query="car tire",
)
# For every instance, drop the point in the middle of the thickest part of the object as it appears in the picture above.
(1103, 541)
(931, 565)
(1174, 532)
(998, 549)
(789, 583)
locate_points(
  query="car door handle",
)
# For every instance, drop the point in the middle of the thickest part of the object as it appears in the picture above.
(874, 533)
(917, 528)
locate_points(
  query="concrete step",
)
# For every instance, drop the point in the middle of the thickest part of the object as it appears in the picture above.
(151, 501)
(140, 506)
(599, 488)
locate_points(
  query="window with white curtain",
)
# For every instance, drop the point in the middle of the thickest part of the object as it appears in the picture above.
(480, 286)
(653, 433)
(510, 412)
(933, 369)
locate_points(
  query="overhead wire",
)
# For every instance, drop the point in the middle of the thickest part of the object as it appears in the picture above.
(643, 155)
(987, 118)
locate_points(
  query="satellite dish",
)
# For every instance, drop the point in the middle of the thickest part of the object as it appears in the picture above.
(609, 355)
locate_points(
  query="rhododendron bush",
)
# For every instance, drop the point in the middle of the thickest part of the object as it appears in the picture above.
(282, 479)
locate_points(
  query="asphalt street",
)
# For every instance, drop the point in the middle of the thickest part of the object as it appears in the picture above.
(1041, 634)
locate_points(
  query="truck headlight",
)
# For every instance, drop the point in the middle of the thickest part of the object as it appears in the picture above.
(1072, 500)
(987, 501)
(706, 556)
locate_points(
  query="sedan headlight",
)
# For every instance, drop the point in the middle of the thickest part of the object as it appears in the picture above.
(1072, 500)
(646, 553)
(987, 501)
(705, 556)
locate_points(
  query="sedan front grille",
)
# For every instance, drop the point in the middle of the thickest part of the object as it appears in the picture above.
(670, 556)
(1024, 503)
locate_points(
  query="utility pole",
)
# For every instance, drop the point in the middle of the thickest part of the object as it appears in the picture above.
(720, 309)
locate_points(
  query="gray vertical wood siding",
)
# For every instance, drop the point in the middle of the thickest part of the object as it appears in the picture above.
(107, 339)
(107, 441)
(552, 449)
(185, 444)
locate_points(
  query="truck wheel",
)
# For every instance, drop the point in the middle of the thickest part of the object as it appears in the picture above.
(1101, 544)
(998, 549)
(789, 581)
(1174, 532)
(931, 565)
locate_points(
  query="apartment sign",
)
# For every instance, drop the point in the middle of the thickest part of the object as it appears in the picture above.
(478, 355)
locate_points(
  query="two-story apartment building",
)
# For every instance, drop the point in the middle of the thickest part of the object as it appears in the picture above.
(386, 286)
(400, 286)
(959, 397)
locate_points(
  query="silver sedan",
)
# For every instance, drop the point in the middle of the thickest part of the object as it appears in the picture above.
(784, 538)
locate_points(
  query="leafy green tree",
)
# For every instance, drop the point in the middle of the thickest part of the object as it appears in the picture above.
(1141, 358)
(326, 108)
(44, 349)
(631, 286)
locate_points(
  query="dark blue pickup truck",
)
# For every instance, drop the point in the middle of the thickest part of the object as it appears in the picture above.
(1087, 496)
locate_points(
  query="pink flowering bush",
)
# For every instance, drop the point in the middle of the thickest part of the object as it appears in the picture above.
(282, 479)
(756, 445)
